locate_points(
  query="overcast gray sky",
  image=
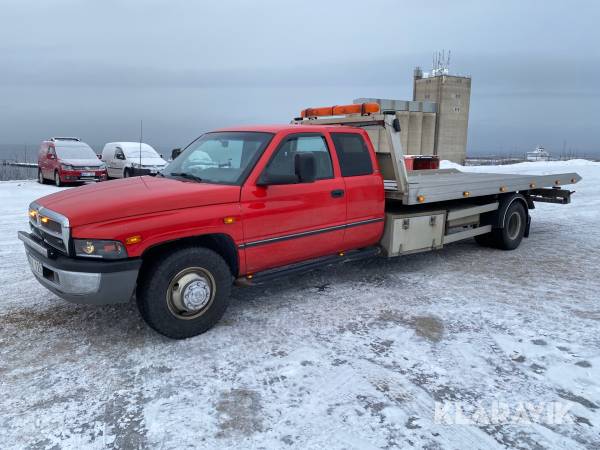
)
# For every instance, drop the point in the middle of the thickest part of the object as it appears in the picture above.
(94, 69)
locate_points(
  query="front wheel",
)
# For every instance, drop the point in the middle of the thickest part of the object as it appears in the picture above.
(57, 181)
(185, 293)
(41, 178)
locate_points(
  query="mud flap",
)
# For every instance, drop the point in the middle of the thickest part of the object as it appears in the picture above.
(526, 234)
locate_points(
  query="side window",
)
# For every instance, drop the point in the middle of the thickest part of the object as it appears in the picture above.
(353, 154)
(283, 161)
(119, 153)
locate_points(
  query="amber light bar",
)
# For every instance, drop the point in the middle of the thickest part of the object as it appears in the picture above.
(340, 110)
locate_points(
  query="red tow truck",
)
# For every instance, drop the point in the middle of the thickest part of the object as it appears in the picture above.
(251, 203)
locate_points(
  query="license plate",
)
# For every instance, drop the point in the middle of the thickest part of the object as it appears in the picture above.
(36, 266)
(87, 174)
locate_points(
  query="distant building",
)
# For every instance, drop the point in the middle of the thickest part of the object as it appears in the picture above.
(539, 154)
(436, 121)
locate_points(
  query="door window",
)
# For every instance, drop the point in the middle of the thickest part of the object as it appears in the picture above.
(353, 154)
(119, 154)
(283, 161)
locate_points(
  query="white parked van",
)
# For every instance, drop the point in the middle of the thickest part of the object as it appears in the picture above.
(128, 159)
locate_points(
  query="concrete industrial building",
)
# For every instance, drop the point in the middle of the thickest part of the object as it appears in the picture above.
(435, 122)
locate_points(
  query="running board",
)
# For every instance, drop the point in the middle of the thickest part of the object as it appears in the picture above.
(305, 266)
(471, 232)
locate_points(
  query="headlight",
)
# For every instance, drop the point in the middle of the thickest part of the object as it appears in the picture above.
(96, 248)
(66, 167)
(102, 166)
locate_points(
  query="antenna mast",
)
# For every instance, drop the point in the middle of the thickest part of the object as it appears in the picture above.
(141, 135)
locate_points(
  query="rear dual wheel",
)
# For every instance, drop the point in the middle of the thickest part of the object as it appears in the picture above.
(185, 293)
(511, 234)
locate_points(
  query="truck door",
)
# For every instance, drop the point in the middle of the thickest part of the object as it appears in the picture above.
(364, 189)
(287, 223)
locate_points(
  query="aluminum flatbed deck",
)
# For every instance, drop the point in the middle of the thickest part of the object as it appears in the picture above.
(429, 186)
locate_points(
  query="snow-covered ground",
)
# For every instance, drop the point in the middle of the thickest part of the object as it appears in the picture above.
(349, 357)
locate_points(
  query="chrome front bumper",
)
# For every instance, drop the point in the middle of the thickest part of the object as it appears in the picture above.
(78, 280)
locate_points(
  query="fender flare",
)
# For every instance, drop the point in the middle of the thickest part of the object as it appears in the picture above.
(497, 218)
(505, 203)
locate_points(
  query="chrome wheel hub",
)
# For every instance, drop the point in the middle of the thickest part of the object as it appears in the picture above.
(514, 225)
(190, 293)
(196, 295)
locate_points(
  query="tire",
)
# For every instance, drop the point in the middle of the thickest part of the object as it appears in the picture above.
(126, 173)
(508, 237)
(162, 301)
(41, 178)
(57, 181)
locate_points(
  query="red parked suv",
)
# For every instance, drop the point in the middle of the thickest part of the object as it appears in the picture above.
(68, 160)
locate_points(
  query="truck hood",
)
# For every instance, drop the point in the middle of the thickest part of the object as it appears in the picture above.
(147, 161)
(134, 196)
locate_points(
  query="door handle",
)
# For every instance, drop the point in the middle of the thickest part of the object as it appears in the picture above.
(337, 193)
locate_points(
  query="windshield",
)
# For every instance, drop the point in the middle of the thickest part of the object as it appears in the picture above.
(75, 152)
(144, 153)
(222, 157)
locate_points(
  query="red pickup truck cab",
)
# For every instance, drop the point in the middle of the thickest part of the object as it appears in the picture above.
(237, 204)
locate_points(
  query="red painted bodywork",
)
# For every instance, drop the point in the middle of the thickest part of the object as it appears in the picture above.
(48, 166)
(162, 210)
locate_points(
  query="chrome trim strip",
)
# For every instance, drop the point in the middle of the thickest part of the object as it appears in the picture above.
(308, 233)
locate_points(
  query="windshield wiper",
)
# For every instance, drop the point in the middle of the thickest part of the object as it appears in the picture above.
(187, 176)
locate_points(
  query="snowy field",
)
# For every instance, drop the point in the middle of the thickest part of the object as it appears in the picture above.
(357, 356)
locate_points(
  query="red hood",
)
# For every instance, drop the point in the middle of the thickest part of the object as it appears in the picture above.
(134, 196)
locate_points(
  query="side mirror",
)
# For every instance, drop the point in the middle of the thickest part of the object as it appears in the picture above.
(306, 167)
(270, 179)
(51, 156)
(175, 153)
(99, 156)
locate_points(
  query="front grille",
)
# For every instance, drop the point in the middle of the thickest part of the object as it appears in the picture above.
(51, 227)
(88, 168)
(50, 239)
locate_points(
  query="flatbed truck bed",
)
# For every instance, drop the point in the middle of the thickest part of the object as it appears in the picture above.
(430, 186)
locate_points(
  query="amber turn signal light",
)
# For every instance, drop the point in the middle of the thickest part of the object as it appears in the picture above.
(133, 240)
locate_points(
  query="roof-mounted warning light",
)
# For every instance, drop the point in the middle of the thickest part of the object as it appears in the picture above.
(341, 110)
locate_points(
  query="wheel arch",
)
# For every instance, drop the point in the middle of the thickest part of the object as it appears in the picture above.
(506, 203)
(220, 243)
(497, 218)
